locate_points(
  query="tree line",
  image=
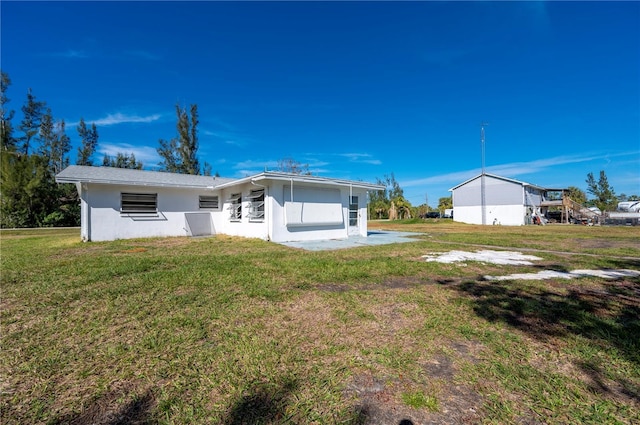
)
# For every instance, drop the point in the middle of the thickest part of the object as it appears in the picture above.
(391, 203)
(38, 148)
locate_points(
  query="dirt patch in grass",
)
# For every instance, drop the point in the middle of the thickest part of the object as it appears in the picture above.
(378, 400)
(595, 243)
(400, 282)
(85, 249)
(169, 242)
(122, 405)
(134, 250)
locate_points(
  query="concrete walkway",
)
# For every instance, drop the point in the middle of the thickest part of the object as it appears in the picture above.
(377, 237)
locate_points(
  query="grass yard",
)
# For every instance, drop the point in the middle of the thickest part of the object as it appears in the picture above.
(227, 330)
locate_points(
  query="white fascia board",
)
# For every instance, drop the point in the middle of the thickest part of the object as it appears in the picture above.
(296, 178)
(540, 188)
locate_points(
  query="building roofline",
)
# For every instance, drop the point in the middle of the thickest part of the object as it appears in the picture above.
(123, 176)
(298, 178)
(495, 176)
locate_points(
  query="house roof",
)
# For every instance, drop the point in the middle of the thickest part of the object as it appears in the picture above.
(499, 178)
(124, 176)
(297, 178)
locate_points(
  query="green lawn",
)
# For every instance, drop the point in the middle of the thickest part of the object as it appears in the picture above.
(231, 330)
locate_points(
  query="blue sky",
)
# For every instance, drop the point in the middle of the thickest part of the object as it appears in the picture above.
(357, 90)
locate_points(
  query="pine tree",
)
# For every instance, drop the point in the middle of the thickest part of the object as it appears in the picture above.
(605, 195)
(30, 124)
(30, 196)
(7, 141)
(122, 160)
(206, 169)
(61, 148)
(55, 144)
(179, 155)
(189, 143)
(168, 150)
(89, 140)
(28, 190)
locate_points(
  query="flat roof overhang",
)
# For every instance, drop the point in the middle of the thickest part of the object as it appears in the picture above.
(301, 179)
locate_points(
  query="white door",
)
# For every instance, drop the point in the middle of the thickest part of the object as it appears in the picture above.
(354, 216)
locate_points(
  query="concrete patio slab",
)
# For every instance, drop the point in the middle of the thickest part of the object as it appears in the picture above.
(378, 237)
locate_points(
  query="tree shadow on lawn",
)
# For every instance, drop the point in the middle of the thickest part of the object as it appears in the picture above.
(106, 411)
(606, 314)
(262, 404)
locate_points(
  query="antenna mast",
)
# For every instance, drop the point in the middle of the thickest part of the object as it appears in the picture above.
(482, 182)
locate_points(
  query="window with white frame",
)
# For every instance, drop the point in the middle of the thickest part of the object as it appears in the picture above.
(208, 202)
(138, 203)
(353, 211)
(256, 205)
(235, 207)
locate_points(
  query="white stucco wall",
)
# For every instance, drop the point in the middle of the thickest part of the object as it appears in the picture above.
(244, 227)
(506, 215)
(282, 231)
(103, 221)
(280, 225)
(506, 202)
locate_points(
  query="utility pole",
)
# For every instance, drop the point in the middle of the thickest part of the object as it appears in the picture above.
(483, 199)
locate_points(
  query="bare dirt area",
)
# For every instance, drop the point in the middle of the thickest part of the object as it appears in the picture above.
(458, 403)
(597, 243)
(111, 410)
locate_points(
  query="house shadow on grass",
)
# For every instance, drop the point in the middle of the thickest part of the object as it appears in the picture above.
(608, 315)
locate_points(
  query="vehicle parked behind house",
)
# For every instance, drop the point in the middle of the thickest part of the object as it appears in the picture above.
(431, 214)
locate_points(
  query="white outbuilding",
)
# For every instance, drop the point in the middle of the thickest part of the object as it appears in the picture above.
(119, 203)
(506, 201)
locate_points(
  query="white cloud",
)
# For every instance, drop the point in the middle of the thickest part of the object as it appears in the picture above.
(234, 143)
(227, 137)
(255, 165)
(120, 118)
(70, 54)
(513, 169)
(450, 178)
(363, 158)
(315, 163)
(520, 168)
(145, 154)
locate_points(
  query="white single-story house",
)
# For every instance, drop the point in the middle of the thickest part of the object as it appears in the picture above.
(506, 201)
(119, 203)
